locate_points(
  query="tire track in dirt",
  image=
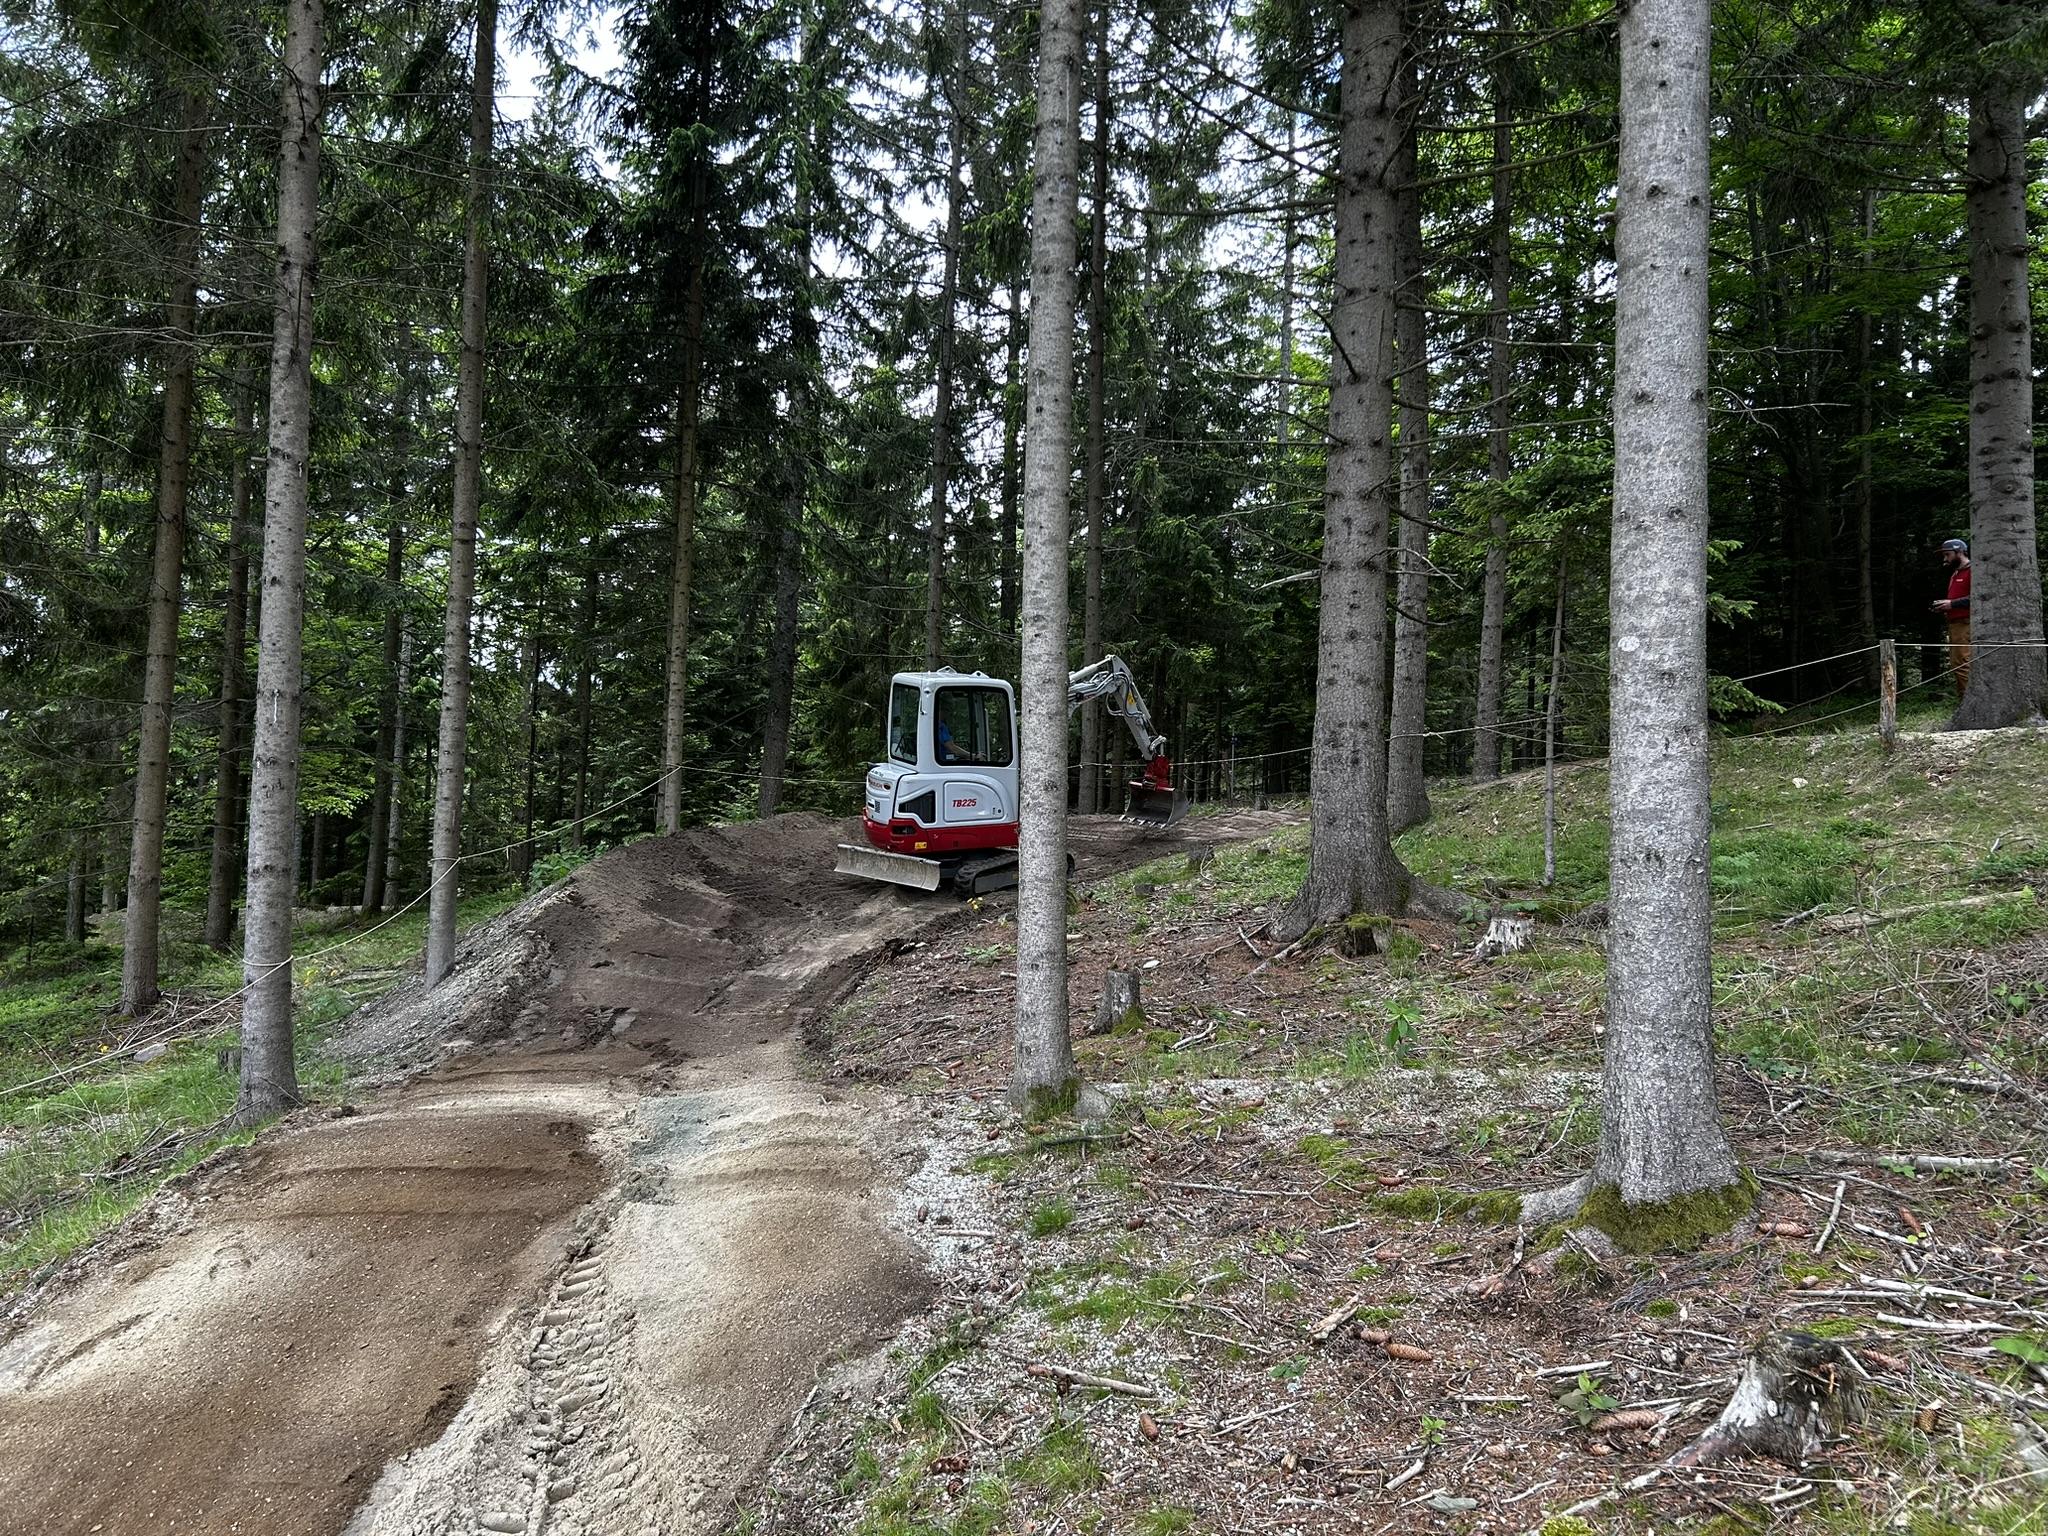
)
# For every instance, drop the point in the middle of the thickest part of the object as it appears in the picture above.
(574, 1278)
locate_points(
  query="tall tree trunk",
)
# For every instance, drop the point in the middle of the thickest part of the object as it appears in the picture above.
(1550, 703)
(167, 571)
(789, 548)
(1661, 1134)
(1407, 794)
(1486, 737)
(1282, 490)
(1352, 866)
(783, 638)
(586, 633)
(683, 498)
(2008, 666)
(949, 291)
(270, 1080)
(1866, 600)
(384, 770)
(1013, 421)
(395, 823)
(452, 761)
(74, 895)
(234, 661)
(114, 823)
(1043, 1075)
(531, 667)
(1090, 799)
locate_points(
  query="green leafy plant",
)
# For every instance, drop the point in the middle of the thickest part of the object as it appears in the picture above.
(1289, 1369)
(1433, 1431)
(1404, 1024)
(1586, 1402)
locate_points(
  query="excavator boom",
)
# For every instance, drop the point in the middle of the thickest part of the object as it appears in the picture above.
(1153, 799)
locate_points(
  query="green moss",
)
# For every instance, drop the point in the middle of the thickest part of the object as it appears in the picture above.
(1045, 1103)
(1566, 1525)
(1663, 1306)
(1833, 1327)
(1669, 1226)
(1432, 1202)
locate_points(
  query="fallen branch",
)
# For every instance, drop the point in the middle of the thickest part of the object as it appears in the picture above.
(1834, 1215)
(1090, 1379)
(1855, 922)
(1919, 1162)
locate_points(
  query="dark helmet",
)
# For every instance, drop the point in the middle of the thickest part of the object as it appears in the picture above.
(1958, 545)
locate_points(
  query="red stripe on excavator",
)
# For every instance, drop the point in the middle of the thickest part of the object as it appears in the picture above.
(909, 837)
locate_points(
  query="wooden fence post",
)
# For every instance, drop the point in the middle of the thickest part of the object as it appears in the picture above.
(1888, 694)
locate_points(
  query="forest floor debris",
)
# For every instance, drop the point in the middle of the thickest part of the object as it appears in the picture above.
(1329, 1137)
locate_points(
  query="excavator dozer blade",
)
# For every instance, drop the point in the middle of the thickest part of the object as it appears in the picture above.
(896, 868)
(1156, 807)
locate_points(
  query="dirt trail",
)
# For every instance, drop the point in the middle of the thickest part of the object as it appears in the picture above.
(576, 1276)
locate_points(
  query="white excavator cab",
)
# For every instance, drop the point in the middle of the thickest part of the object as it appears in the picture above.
(944, 805)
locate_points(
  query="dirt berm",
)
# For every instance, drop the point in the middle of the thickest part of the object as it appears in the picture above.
(572, 1268)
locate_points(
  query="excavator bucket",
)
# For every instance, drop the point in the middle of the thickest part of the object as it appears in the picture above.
(1153, 806)
(896, 868)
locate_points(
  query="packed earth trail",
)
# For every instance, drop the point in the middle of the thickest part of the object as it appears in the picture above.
(573, 1268)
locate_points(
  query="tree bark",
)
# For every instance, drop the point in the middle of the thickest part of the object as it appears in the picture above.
(1407, 795)
(2008, 664)
(1043, 1075)
(1486, 737)
(1090, 797)
(74, 895)
(683, 497)
(1013, 419)
(789, 551)
(949, 291)
(782, 645)
(395, 823)
(1550, 703)
(530, 665)
(385, 769)
(167, 572)
(1352, 866)
(585, 640)
(1866, 601)
(234, 660)
(452, 761)
(270, 1082)
(1661, 1134)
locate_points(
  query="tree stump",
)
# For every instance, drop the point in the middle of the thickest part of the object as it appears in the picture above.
(1504, 936)
(1118, 1007)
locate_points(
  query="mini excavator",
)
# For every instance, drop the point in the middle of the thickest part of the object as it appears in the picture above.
(943, 807)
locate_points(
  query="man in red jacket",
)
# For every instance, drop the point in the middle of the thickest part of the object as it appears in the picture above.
(1955, 554)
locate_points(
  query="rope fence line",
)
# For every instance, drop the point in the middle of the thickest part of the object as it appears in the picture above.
(1506, 728)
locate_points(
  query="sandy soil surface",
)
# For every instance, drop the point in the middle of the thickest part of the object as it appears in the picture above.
(575, 1268)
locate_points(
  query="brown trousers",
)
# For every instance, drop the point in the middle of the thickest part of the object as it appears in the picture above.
(1959, 652)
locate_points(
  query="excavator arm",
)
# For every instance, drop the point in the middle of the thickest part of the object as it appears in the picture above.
(1153, 797)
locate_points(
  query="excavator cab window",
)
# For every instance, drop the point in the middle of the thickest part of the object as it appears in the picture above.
(903, 723)
(973, 726)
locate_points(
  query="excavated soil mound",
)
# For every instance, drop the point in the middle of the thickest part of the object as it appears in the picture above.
(577, 1274)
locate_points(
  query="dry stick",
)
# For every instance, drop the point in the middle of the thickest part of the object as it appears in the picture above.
(1919, 1162)
(1834, 1215)
(1089, 1379)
